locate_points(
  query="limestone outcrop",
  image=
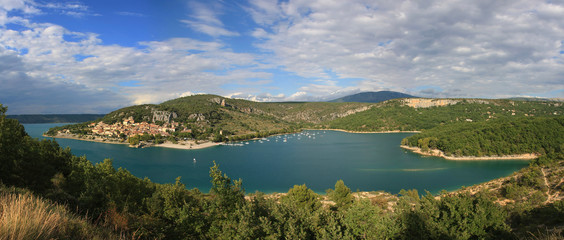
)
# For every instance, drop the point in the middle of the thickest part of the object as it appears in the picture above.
(163, 116)
(434, 102)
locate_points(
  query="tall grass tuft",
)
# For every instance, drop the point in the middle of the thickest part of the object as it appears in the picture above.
(25, 216)
(547, 235)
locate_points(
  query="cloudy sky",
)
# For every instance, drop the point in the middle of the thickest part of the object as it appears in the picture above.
(99, 55)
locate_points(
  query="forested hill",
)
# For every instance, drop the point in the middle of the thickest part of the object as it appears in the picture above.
(372, 97)
(55, 118)
(207, 117)
(420, 113)
(499, 137)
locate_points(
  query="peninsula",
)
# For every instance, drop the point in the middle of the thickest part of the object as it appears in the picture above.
(439, 153)
(517, 138)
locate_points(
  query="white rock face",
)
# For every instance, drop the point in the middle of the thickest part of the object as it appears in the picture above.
(163, 116)
(433, 102)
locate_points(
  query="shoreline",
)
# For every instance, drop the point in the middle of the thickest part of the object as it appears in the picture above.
(185, 145)
(191, 145)
(349, 131)
(439, 153)
(188, 145)
(96, 139)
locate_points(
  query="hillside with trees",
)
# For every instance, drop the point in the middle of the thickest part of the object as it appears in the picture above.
(421, 114)
(42, 183)
(499, 137)
(210, 117)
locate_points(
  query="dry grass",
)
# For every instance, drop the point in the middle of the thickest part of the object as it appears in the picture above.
(24, 216)
(547, 234)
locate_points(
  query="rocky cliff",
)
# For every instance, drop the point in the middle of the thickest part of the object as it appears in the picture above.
(163, 116)
(437, 102)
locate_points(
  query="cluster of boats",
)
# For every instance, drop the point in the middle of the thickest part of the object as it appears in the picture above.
(282, 138)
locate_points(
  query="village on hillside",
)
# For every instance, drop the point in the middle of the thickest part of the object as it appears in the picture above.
(128, 128)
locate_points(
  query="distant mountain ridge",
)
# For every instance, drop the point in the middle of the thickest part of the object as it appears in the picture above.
(373, 97)
(538, 99)
(55, 118)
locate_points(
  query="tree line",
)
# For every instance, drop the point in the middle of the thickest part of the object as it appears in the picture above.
(393, 115)
(541, 135)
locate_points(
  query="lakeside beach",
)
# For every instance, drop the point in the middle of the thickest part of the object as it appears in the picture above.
(85, 138)
(186, 145)
(348, 131)
(439, 153)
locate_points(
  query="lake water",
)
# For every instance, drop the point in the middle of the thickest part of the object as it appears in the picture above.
(365, 162)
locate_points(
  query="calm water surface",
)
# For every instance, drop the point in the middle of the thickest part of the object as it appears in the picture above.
(365, 162)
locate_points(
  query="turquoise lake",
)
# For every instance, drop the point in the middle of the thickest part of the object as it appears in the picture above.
(365, 162)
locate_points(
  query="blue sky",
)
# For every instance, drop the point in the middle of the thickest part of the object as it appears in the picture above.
(100, 55)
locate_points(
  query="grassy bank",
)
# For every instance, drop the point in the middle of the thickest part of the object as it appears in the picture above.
(25, 216)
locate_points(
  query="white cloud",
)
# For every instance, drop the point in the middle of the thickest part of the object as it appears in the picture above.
(24, 92)
(131, 14)
(22, 6)
(26, 6)
(265, 11)
(329, 48)
(507, 47)
(209, 29)
(186, 94)
(297, 96)
(261, 97)
(162, 70)
(259, 33)
(73, 9)
(205, 20)
(67, 6)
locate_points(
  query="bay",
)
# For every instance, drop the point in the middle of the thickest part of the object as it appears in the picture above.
(365, 162)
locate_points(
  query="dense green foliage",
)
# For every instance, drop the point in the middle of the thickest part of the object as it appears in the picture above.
(542, 135)
(26, 162)
(456, 217)
(394, 115)
(138, 208)
(55, 118)
(78, 128)
(342, 195)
